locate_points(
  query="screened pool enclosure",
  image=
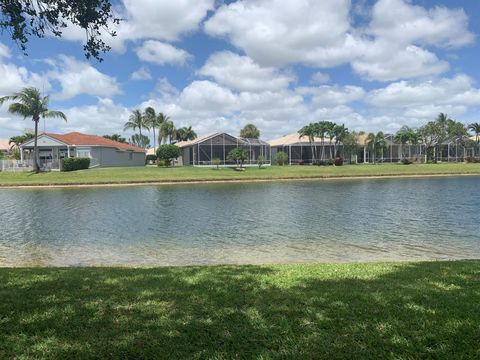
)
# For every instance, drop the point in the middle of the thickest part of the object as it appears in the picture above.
(204, 150)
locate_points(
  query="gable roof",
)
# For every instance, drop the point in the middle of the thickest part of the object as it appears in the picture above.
(79, 139)
(200, 139)
(294, 138)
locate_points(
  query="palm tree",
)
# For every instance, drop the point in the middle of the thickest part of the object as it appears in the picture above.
(331, 134)
(116, 137)
(136, 121)
(167, 131)
(186, 133)
(16, 141)
(376, 142)
(152, 121)
(475, 127)
(321, 130)
(404, 136)
(339, 132)
(310, 132)
(161, 118)
(30, 103)
(250, 131)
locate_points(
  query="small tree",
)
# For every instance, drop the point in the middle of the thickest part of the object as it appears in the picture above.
(216, 162)
(260, 161)
(281, 158)
(238, 155)
(167, 153)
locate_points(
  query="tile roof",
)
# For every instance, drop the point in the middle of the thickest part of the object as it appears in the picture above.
(294, 138)
(4, 145)
(76, 138)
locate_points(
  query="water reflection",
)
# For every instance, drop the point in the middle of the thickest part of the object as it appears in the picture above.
(350, 220)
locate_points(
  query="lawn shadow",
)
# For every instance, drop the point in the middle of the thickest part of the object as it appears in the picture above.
(417, 310)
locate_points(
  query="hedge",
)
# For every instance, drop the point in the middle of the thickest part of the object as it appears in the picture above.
(72, 164)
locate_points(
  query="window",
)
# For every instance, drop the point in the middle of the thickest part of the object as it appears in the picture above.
(84, 153)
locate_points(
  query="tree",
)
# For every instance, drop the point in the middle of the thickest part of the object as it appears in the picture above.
(238, 155)
(330, 132)
(434, 133)
(321, 131)
(167, 131)
(23, 19)
(281, 157)
(250, 131)
(141, 141)
(16, 141)
(168, 152)
(161, 118)
(152, 121)
(29, 103)
(309, 131)
(261, 161)
(405, 135)
(339, 132)
(376, 144)
(116, 137)
(350, 144)
(475, 128)
(136, 121)
(186, 133)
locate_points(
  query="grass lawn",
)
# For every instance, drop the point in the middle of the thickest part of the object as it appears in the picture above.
(154, 174)
(329, 311)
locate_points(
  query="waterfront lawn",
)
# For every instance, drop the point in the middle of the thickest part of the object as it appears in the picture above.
(329, 311)
(178, 174)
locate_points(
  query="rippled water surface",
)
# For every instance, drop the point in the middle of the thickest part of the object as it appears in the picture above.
(348, 220)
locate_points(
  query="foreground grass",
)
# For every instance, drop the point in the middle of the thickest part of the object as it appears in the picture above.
(154, 174)
(330, 311)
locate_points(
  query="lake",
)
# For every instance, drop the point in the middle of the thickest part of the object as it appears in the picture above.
(249, 223)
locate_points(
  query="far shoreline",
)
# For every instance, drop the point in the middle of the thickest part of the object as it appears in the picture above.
(233, 181)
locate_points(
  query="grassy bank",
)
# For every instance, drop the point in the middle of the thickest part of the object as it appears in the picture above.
(330, 311)
(153, 174)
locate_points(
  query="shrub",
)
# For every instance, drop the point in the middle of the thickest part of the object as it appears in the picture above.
(160, 163)
(406, 161)
(260, 161)
(167, 153)
(472, 159)
(238, 155)
(301, 162)
(150, 159)
(281, 158)
(72, 164)
(216, 162)
(338, 161)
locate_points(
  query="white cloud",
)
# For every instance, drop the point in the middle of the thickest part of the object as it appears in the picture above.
(162, 53)
(164, 20)
(387, 62)
(399, 21)
(141, 74)
(393, 45)
(458, 90)
(320, 78)
(242, 73)
(331, 96)
(79, 77)
(277, 32)
(4, 51)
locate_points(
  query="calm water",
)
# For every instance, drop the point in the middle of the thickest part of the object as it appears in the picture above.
(349, 220)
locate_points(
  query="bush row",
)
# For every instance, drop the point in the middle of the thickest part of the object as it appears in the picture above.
(72, 164)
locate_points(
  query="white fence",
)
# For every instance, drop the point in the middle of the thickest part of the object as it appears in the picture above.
(16, 165)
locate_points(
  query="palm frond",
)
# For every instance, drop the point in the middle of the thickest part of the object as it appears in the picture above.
(54, 114)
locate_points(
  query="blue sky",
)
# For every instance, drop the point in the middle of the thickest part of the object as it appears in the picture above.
(372, 65)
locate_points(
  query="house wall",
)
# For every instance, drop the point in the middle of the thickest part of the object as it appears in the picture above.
(109, 157)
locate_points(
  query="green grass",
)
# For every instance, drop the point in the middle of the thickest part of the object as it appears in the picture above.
(323, 311)
(154, 174)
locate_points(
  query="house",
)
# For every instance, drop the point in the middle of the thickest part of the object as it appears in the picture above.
(4, 146)
(102, 152)
(216, 145)
(301, 151)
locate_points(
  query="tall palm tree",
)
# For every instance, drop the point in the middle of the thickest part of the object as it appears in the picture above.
(161, 118)
(30, 103)
(136, 121)
(321, 130)
(404, 136)
(152, 121)
(375, 143)
(310, 132)
(186, 133)
(475, 127)
(167, 131)
(331, 134)
(339, 132)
